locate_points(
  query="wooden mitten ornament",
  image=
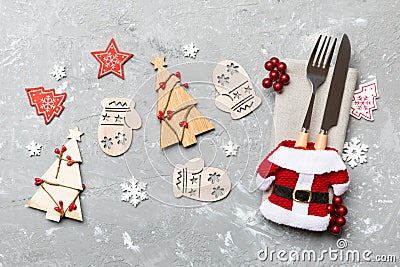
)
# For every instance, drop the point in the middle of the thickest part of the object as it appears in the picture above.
(301, 179)
(118, 119)
(180, 120)
(236, 91)
(61, 185)
(194, 181)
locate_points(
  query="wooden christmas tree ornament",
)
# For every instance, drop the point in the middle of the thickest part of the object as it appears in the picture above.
(176, 109)
(61, 185)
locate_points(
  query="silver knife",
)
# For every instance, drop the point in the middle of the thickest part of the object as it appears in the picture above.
(334, 101)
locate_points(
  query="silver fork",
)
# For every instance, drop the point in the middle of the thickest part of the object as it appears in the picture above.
(317, 70)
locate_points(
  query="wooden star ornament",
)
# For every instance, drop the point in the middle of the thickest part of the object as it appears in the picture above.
(111, 60)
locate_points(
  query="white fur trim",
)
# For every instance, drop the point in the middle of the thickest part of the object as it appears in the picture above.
(339, 189)
(264, 183)
(307, 161)
(304, 182)
(280, 215)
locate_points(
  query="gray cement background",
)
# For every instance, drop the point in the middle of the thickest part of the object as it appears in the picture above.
(170, 232)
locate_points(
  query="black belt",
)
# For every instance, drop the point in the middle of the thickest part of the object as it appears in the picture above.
(304, 196)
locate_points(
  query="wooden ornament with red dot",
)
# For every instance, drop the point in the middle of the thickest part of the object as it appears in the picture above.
(277, 76)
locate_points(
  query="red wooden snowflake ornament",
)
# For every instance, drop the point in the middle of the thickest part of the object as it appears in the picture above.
(111, 60)
(46, 102)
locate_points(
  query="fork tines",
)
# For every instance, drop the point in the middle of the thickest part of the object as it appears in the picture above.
(322, 62)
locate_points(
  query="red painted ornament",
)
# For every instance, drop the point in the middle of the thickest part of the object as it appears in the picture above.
(162, 85)
(281, 66)
(342, 210)
(337, 201)
(111, 60)
(178, 74)
(278, 87)
(160, 115)
(269, 65)
(331, 209)
(267, 83)
(335, 229)
(57, 151)
(46, 102)
(185, 85)
(63, 149)
(285, 78)
(340, 221)
(274, 61)
(274, 75)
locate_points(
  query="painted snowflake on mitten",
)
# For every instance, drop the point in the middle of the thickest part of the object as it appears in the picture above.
(134, 191)
(354, 152)
(190, 50)
(58, 72)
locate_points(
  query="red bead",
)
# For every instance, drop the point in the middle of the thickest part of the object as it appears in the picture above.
(278, 87)
(332, 219)
(269, 65)
(57, 209)
(162, 85)
(342, 210)
(63, 149)
(337, 201)
(274, 75)
(285, 78)
(160, 115)
(281, 67)
(267, 83)
(185, 85)
(57, 151)
(61, 203)
(68, 157)
(340, 221)
(274, 61)
(335, 229)
(178, 74)
(331, 209)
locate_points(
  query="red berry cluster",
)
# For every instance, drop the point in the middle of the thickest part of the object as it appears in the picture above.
(337, 211)
(277, 74)
(63, 149)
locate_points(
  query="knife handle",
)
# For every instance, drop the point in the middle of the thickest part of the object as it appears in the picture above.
(302, 139)
(320, 142)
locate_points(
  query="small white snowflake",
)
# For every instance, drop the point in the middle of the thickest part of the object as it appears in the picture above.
(34, 149)
(58, 72)
(134, 191)
(129, 243)
(354, 152)
(190, 50)
(230, 149)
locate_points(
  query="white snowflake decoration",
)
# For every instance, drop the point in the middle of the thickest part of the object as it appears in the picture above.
(58, 72)
(190, 50)
(354, 152)
(230, 149)
(134, 191)
(34, 149)
(128, 242)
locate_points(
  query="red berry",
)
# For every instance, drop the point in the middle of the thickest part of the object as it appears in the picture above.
(274, 61)
(83, 186)
(342, 210)
(68, 157)
(63, 149)
(70, 163)
(278, 87)
(267, 83)
(57, 209)
(61, 203)
(331, 209)
(185, 85)
(160, 115)
(269, 65)
(335, 229)
(57, 151)
(162, 85)
(72, 207)
(38, 181)
(274, 75)
(340, 221)
(337, 201)
(281, 67)
(178, 74)
(285, 78)
(332, 219)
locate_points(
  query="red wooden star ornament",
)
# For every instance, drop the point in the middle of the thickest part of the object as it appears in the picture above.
(46, 102)
(111, 60)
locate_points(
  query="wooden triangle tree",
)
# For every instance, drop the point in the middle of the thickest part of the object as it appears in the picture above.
(176, 109)
(61, 185)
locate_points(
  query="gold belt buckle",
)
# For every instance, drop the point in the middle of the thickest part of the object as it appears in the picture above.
(298, 200)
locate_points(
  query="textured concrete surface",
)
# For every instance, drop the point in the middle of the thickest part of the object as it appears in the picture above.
(166, 231)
